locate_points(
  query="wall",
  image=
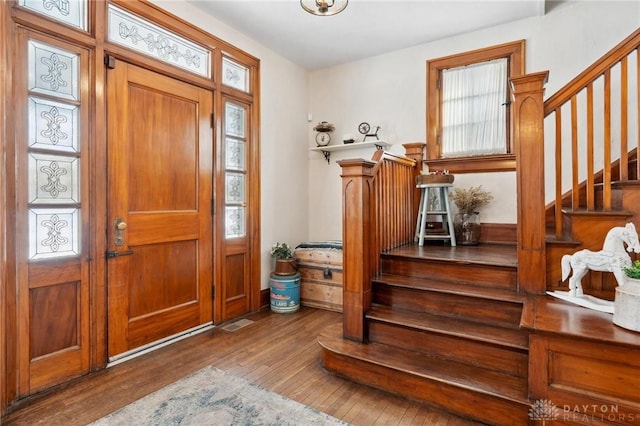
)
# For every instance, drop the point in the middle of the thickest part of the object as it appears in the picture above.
(389, 90)
(283, 132)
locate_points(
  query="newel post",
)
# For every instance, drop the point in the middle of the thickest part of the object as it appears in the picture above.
(527, 111)
(415, 151)
(357, 231)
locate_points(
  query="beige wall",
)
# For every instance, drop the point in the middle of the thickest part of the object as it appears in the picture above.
(389, 90)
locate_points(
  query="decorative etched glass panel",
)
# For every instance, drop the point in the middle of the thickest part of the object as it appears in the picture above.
(235, 75)
(147, 38)
(234, 119)
(53, 125)
(234, 154)
(70, 12)
(53, 179)
(234, 222)
(54, 233)
(53, 71)
(234, 188)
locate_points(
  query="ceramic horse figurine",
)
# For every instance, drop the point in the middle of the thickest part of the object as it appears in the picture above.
(612, 258)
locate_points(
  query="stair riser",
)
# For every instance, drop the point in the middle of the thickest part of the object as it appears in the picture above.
(504, 359)
(463, 402)
(478, 275)
(475, 309)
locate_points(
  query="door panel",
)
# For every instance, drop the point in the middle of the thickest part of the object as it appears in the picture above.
(160, 187)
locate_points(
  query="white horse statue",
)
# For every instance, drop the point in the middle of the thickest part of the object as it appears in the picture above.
(612, 258)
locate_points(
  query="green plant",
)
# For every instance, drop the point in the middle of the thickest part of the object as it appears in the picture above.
(469, 199)
(281, 251)
(633, 271)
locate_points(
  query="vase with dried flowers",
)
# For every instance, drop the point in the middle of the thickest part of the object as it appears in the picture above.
(466, 222)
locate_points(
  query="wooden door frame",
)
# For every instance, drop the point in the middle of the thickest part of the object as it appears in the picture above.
(95, 40)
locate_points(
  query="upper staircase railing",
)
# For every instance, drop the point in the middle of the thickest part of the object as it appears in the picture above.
(379, 211)
(583, 114)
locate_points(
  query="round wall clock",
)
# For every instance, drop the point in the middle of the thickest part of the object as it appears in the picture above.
(323, 138)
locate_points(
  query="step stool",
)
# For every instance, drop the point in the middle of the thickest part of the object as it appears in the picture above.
(441, 190)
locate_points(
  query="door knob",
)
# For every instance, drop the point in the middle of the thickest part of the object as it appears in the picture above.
(119, 226)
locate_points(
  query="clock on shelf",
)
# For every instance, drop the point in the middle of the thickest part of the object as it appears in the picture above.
(323, 138)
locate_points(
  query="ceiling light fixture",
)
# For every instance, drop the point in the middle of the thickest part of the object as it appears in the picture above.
(324, 7)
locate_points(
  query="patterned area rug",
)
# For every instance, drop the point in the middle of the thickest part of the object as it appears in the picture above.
(213, 397)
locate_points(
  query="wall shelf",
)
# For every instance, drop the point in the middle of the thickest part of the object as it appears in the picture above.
(327, 150)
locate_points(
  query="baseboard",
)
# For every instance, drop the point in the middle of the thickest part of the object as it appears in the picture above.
(499, 233)
(265, 298)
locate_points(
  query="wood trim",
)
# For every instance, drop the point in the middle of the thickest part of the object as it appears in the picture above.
(499, 233)
(515, 51)
(7, 368)
(98, 202)
(480, 164)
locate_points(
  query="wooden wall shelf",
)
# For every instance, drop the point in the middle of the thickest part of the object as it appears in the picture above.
(327, 150)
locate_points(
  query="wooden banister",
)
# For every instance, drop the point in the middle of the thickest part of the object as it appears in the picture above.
(589, 124)
(378, 213)
(607, 61)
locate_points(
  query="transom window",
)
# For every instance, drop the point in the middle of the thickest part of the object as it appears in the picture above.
(468, 109)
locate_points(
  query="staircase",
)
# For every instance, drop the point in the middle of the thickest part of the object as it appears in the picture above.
(443, 328)
(461, 328)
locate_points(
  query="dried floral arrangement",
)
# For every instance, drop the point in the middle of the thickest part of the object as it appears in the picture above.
(469, 199)
(323, 126)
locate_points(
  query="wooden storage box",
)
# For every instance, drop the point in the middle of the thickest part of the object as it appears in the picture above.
(320, 267)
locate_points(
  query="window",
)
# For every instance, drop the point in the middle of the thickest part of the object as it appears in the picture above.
(468, 109)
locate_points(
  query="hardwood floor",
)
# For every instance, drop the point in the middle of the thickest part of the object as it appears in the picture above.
(277, 351)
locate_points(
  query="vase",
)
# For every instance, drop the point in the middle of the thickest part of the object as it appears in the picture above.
(285, 267)
(626, 306)
(467, 228)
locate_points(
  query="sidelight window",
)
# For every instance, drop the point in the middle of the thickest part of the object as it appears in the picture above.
(53, 152)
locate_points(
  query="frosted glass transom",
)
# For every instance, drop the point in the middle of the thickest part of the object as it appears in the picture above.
(70, 12)
(147, 38)
(235, 75)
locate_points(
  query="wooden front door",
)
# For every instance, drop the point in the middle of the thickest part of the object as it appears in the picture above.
(160, 232)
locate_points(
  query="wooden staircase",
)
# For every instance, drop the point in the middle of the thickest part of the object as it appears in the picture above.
(471, 329)
(443, 328)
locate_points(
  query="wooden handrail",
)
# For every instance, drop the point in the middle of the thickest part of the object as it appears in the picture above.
(585, 126)
(606, 62)
(378, 213)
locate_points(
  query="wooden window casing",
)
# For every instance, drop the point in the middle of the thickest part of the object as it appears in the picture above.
(514, 53)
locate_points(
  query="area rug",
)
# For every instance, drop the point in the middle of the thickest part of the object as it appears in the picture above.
(213, 397)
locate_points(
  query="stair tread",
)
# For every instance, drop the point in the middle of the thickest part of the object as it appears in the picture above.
(473, 330)
(463, 289)
(499, 255)
(481, 380)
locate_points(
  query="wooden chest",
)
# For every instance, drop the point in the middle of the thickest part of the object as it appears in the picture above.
(320, 267)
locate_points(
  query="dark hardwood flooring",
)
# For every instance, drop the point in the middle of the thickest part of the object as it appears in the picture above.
(277, 351)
